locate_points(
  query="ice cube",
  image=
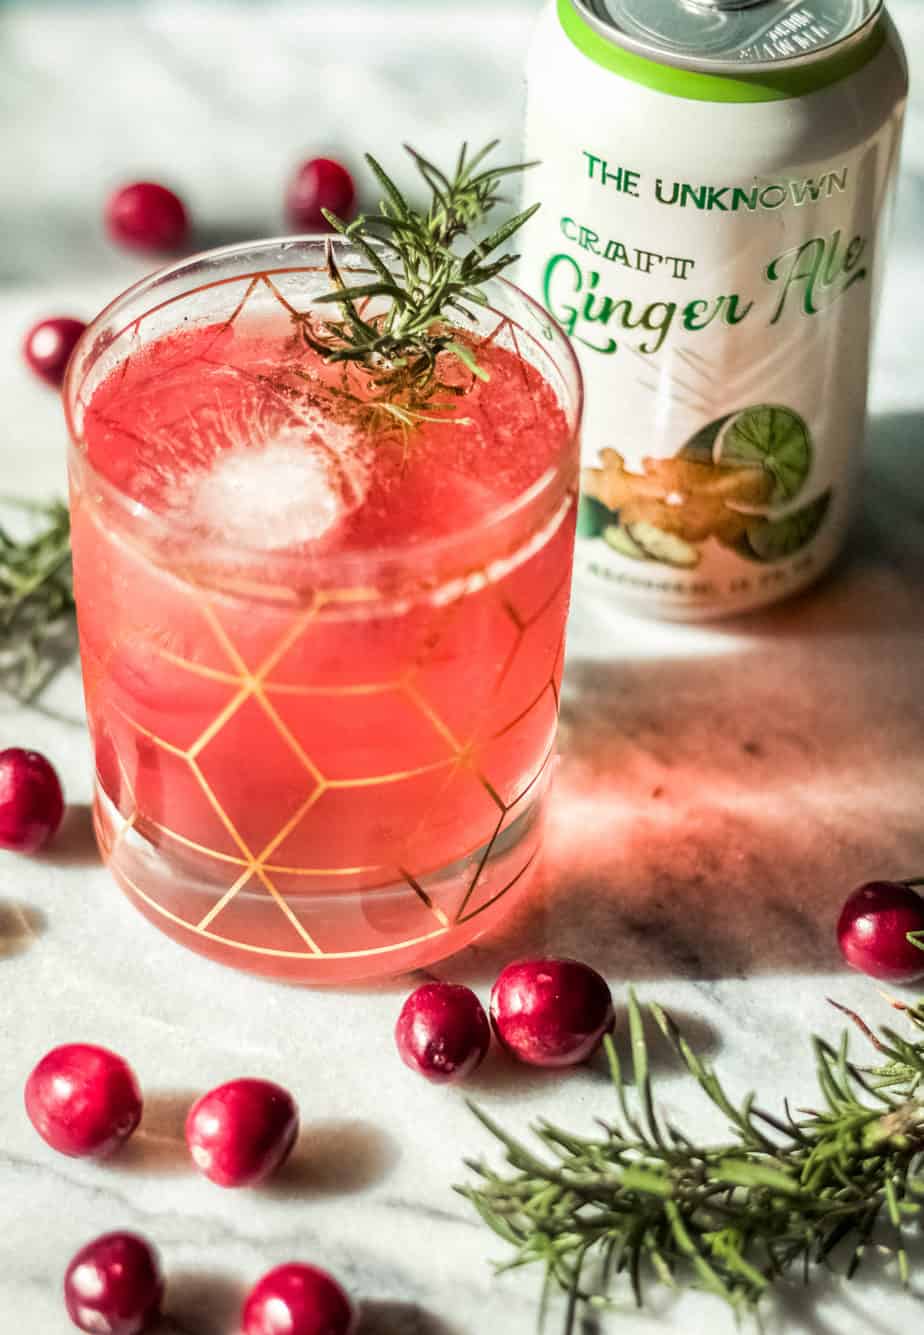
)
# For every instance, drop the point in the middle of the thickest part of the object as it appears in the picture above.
(280, 493)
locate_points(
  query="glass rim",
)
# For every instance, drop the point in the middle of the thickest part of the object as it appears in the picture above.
(153, 522)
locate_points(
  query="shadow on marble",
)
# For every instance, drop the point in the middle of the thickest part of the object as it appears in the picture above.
(59, 653)
(830, 1302)
(828, 1305)
(20, 927)
(391, 1318)
(75, 843)
(334, 1158)
(330, 1158)
(702, 1037)
(714, 805)
(665, 905)
(895, 438)
(502, 1074)
(201, 1303)
(159, 1144)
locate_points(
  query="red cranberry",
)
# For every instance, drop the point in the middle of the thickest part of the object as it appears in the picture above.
(31, 801)
(240, 1133)
(551, 1012)
(84, 1101)
(298, 1300)
(320, 183)
(147, 216)
(48, 345)
(114, 1285)
(873, 928)
(442, 1032)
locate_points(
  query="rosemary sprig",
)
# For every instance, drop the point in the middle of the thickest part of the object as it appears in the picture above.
(420, 281)
(419, 277)
(36, 598)
(782, 1193)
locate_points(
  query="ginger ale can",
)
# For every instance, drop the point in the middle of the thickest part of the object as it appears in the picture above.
(715, 176)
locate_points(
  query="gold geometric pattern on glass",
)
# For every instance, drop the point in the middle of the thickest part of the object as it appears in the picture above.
(248, 862)
(257, 686)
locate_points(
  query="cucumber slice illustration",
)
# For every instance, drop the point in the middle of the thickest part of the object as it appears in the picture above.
(664, 547)
(618, 538)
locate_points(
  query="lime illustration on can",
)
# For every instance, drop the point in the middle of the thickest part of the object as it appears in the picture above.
(716, 176)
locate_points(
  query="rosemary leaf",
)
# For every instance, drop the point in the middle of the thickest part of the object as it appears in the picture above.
(467, 357)
(731, 1218)
(422, 276)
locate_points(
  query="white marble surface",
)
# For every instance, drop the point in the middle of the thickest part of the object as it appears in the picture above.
(720, 790)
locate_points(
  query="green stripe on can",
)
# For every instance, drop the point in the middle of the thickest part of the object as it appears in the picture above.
(766, 86)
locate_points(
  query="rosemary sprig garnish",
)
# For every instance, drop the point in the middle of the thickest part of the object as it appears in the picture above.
(783, 1193)
(420, 279)
(36, 598)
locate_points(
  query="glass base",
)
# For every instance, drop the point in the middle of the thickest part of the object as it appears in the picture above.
(323, 934)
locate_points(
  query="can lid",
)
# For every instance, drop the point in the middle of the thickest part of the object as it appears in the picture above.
(730, 36)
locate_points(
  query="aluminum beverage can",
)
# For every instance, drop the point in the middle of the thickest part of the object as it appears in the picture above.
(715, 178)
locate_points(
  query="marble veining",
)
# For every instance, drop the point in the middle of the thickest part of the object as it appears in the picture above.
(719, 791)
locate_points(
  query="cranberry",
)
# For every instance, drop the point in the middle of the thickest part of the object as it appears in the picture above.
(442, 1032)
(84, 1101)
(873, 928)
(31, 801)
(241, 1132)
(551, 1012)
(48, 346)
(114, 1285)
(147, 216)
(320, 183)
(298, 1300)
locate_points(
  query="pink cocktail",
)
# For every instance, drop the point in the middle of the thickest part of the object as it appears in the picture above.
(322, 635)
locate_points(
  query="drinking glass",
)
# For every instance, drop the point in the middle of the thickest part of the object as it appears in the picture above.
(317, 765)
